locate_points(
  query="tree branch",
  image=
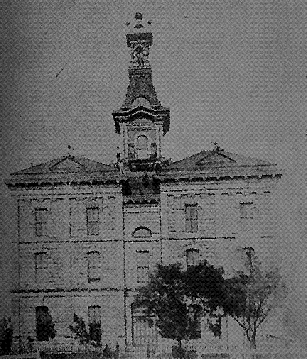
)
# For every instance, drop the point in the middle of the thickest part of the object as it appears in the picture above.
(241, 325)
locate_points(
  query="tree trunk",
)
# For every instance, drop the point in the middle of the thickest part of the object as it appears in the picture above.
(252, 341)
(180, 352)
(252, 345)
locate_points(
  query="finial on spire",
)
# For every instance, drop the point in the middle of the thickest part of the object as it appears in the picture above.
(70, 150)
(217, 147)
(139, 39)
(138, 25)
(138, 16)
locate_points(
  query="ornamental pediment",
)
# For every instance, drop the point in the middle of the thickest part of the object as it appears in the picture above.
(67, 165)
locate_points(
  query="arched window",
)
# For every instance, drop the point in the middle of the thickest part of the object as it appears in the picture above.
(141, 232)
(142, 147)
(141, 101)
(93, 266)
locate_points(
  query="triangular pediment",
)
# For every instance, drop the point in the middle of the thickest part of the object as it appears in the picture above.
(67, 165)
(215, 159)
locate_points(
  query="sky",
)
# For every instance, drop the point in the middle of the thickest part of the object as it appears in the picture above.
(231, 71)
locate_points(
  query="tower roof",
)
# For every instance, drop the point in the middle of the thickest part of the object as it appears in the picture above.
(141, 92)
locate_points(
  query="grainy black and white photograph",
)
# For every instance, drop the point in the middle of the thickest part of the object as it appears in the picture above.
(153, 179)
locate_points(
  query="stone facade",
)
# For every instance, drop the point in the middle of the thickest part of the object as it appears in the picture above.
(89, 233)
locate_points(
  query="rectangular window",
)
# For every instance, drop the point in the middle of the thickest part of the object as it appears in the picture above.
(247, 210)
(195, 327)
(143, 332)
(41, 216)
(191, 218)
(92, 220)
(142, 266)
(94, 323)
(41, 266)
(192, 256)
(44, 324)
(215, 325)
(93, 266)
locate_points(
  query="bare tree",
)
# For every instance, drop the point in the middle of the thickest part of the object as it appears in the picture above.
(250, 296)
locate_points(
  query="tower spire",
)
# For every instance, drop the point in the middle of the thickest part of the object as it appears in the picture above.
(142, 120)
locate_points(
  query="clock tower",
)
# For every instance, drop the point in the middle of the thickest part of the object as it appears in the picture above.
(141, 121)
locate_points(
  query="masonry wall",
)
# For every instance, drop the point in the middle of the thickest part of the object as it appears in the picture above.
(62, 307)
(224, 229)
(62, 282)
(223, 226)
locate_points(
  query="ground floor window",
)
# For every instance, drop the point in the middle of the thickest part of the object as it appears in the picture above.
(215, 325)
(143, 331)
(94, 323)
(44, 325)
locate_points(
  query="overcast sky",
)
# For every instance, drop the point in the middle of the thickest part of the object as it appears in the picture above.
(232, 71)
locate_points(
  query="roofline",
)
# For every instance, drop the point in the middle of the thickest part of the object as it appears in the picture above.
(201, 177)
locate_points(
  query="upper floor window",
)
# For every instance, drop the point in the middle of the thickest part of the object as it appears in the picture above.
(41, 216)
(142, 266)
(142, 147)
(141, 232)
(94, 323)
(192, 256)
(247, 210)
(92, 220)
(191, 218)
(93, 266)
(41, 266)
(248, 257)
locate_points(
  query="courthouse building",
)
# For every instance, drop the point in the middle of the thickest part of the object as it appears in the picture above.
(88, 233)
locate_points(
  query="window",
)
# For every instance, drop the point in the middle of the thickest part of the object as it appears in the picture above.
(247, 210)
(140, 101)
(41, 266)
(143, 332)
(141, 232)
(215, 325)
(94, 323)
(93, 266)
(41, 215)
(248, 258)
(142, 266)
(44, 324)
(195, 325)
(142, 147)
(191, 218)
(192, 256)
(92, 220)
